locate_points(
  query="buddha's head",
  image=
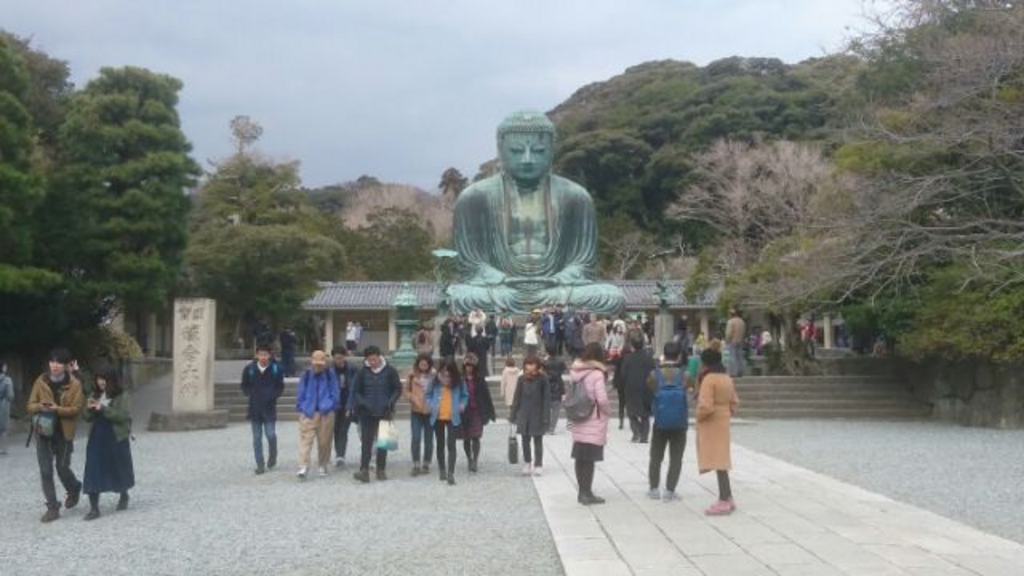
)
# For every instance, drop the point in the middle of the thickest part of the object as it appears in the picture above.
(526, 142)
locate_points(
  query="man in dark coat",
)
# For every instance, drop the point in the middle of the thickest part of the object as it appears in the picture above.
(376, 392)
(263, 384)
(634, 368)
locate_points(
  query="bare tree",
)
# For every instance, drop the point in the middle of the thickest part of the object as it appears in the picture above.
(244, 132)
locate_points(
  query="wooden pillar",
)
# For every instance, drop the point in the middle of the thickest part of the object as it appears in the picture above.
(705, 324)
(827, 328)
(329, 331)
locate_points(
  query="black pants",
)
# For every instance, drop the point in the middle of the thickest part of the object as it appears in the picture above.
(538, 448)
(676, 441)
(341, 425)
(724, 489)
(444, 437)
(56, 451)
(368, 435)
(585, 477)
(620, 391)
(641, 426)
(471, 446)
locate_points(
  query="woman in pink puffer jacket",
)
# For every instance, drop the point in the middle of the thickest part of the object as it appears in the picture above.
(590, 436)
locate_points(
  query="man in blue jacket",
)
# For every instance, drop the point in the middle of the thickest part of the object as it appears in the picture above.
(317, 400)
(263, 384)
(376, 392)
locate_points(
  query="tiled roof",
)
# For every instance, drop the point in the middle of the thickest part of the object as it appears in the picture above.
(640, 294)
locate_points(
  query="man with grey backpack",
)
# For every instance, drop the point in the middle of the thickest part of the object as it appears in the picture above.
(671, 416)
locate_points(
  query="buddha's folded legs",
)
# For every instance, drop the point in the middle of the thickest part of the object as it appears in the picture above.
(600, 298)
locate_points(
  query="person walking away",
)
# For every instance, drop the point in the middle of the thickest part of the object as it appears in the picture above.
(479, 411)
(376, 390)
(531, 336)
(635, 367)
(288, 341)
(531, 409)
(735, 334)
(590, 436)
(56, 397)
(509, 381)
(573, 327)
(415, 390)
(345, 374)
(505, 326)
(447, 398)
(6, 399)
(671, 417)
(316, 403)
(263, 384)
(716, 404)
(108, 454)
(554, 369)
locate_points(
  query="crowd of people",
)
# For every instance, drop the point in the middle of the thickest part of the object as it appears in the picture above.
(449, 400)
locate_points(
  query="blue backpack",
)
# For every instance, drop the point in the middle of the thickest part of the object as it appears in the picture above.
(670, 409)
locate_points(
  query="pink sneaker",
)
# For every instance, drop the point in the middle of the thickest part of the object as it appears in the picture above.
(719, 508)
(732, 505)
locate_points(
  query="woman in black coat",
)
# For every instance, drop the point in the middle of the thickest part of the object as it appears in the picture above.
(479, 410)
(635, 367)
(531, 411)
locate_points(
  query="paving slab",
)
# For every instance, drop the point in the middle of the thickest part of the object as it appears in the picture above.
(790, 521)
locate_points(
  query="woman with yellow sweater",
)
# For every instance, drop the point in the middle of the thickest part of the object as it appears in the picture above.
(447, 398)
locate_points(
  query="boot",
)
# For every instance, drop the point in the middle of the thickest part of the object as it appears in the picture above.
(93, 514)
(272, 458)
(122, 502)
(73, 497)
(381, 476)
(52, 513)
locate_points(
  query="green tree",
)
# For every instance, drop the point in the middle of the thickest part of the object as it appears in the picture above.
(394, 244)
(259, 246)
(117, 212)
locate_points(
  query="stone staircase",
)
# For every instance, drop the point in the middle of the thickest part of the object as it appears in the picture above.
(228, 396)
(833, 396)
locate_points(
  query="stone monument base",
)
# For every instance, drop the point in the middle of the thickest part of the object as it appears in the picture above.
(183, 421)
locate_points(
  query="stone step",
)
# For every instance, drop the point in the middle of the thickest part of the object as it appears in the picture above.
(833, 413)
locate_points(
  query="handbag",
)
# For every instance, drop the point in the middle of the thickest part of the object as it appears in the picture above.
(387, 435)
(513, 445)
(43, 423)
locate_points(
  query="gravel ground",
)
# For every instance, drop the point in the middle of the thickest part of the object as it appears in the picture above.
(972, 475)
(198, 509)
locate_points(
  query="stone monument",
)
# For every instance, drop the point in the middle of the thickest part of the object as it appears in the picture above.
(195, 328)
(525, 237)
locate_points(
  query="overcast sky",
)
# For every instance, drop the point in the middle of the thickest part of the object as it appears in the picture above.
(403, 90)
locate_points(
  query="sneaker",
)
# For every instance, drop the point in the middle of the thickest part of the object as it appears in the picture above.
(323, 471)
(381, 476)
(415, 470)
(538, 471)
(52, 513)
(670, 496)
(527, 469)
(654, 494)
(451, 480)
(719, 508)
(732, 505)
(363, 476)
(301, 473)
(260, 470)
(444, 476)
(590, 500)
(339, 463)
(92, 515)
(425, 469)
(72, 498)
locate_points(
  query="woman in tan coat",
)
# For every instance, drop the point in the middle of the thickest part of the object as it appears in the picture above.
(716, 403)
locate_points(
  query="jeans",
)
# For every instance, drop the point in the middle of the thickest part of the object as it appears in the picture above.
(259, 428)
(51, 451)
(506, 344)
(445, 433)
(368, 436)
(342, 421)
(735, 359)
(538, 447)
(421, 430)
(676, 441)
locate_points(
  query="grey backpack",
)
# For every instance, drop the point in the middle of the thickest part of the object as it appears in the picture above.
(578, 404)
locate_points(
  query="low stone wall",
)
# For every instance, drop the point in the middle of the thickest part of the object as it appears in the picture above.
(140, 372)
(980, 394)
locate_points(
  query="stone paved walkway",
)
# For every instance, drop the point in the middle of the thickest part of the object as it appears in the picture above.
(790, 521)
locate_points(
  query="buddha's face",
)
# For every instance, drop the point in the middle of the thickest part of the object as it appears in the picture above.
(526, 155)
